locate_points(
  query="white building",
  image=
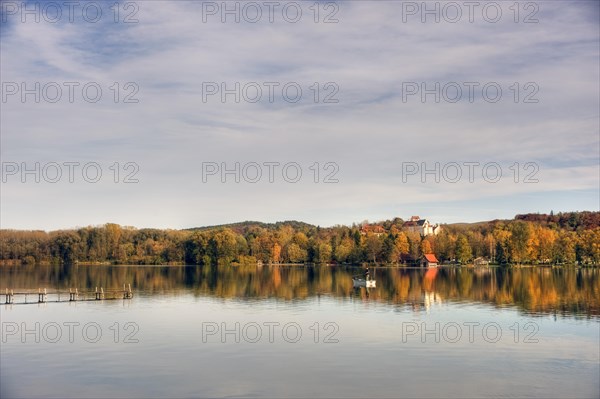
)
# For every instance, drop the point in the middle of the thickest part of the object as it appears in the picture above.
(422, 226)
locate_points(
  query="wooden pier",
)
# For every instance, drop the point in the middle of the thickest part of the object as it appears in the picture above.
(73, 295)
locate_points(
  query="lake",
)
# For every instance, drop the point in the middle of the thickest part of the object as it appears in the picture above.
(303, 331)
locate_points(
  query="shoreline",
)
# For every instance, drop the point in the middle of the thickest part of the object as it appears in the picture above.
(17, 263)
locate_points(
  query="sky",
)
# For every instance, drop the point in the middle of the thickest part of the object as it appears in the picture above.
(173, 114)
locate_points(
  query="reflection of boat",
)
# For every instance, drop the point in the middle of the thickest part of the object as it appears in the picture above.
(367, 281)
(361, 282)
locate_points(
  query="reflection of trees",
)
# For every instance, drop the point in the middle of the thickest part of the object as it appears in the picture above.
(545, 290)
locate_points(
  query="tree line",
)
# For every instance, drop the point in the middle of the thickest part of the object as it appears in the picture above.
(564, 238)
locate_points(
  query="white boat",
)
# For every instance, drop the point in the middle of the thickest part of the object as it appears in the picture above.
(361, 282)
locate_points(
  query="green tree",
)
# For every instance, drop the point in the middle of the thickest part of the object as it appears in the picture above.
(344, 249)
(324, 252)
(414, 241)
(520, 241)
(295, 254)
(501, 254)
(389, 253)
(64, 247)
(564, 247)
(445, 246)
(373, 247)
(224, 246)
(463, 249)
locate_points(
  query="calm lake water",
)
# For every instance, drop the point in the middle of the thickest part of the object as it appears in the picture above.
(279, 331)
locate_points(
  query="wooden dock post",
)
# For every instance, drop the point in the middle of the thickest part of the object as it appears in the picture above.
(99, 294)
(127, 294)
(42, 296)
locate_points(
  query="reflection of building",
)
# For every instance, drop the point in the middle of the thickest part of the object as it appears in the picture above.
(429, 260)
(481, 272)
(422, 226)
(431, 298)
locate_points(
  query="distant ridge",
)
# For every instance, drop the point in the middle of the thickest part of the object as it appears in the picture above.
(238, 226)
(567, 220)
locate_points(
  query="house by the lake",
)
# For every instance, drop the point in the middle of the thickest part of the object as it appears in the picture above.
(429, 260)
(480, 261)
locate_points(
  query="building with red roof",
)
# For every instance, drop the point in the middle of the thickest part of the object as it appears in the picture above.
(429, 260)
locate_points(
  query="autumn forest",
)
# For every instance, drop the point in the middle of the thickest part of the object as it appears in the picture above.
(530, 239)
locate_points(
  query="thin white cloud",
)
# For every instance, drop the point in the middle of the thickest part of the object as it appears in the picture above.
(369, 54)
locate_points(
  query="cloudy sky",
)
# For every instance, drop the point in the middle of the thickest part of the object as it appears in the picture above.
(364, 127)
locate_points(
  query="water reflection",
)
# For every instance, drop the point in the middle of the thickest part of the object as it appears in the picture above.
(561, 291)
